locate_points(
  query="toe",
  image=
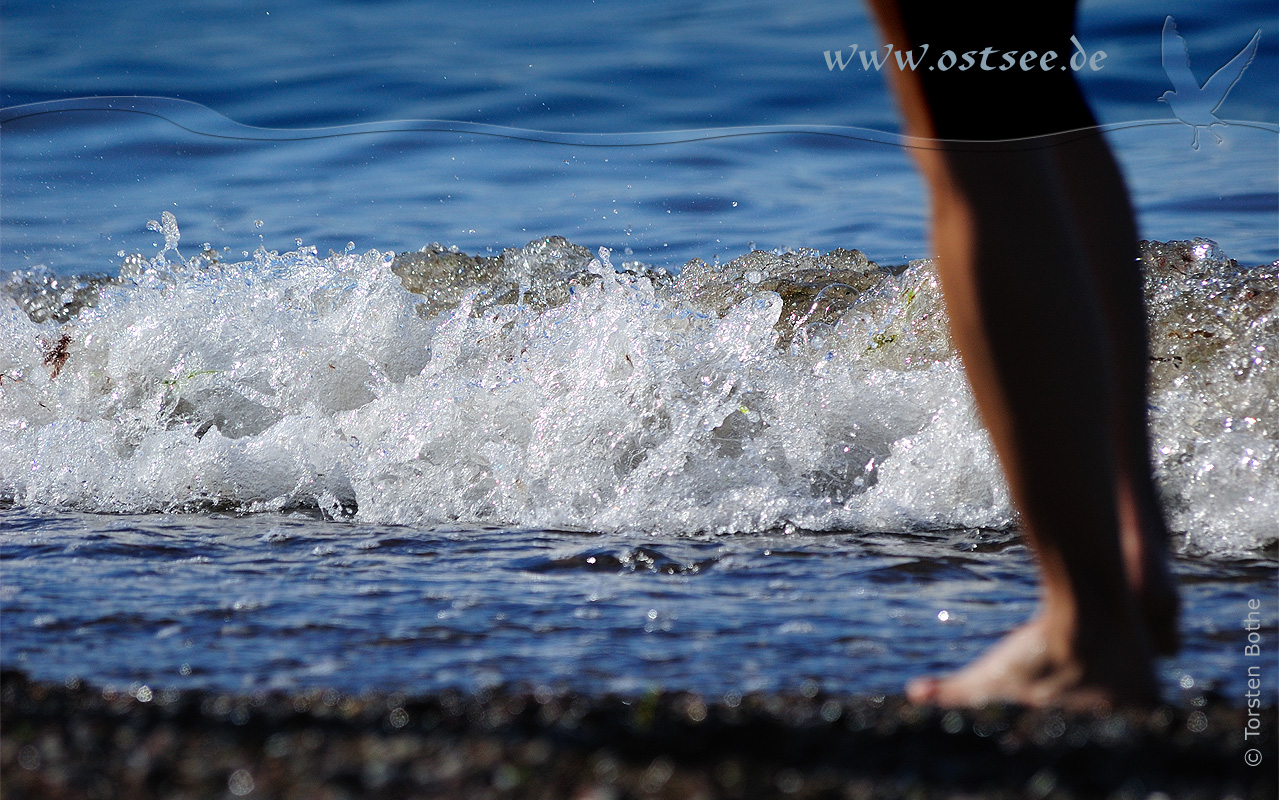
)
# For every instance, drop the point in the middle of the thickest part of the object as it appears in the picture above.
(923, 691)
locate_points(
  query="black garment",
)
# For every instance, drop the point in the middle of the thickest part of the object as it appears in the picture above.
(972, 103)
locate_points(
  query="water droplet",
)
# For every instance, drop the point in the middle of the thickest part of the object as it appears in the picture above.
(169, 224)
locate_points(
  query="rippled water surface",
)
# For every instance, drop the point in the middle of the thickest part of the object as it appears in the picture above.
(274, 601)
(248, 115)
(277, 439)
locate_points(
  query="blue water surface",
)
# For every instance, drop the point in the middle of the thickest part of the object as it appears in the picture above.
(78, 186)
(774, 150)
(271, 601)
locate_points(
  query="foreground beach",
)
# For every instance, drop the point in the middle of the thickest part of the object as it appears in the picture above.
(82, 741)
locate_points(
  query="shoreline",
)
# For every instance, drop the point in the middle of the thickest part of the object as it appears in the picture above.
(75, 741)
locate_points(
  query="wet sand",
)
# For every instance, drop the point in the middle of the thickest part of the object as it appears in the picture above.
(59, 741)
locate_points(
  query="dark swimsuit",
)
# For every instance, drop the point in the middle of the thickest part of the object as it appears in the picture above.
(985, 105)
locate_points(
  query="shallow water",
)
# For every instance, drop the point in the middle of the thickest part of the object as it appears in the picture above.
(289, 601)
(465, 471)
(231, 457)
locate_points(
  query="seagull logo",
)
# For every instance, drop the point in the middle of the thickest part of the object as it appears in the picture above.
(1192, 103)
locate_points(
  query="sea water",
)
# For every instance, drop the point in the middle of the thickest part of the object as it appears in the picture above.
(645, 418)
(544, 465)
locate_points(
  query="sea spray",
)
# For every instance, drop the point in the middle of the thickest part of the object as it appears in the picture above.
(547, 387)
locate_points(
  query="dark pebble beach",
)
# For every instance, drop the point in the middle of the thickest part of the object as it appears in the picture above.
(80, 741)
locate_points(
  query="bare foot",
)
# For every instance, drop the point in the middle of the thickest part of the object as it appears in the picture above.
(1026, 668)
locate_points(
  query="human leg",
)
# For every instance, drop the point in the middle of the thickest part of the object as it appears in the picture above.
(1041, 308)
(1100, 204)
(1026, 319)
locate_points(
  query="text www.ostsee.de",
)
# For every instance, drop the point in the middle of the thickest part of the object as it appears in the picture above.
(987, 59)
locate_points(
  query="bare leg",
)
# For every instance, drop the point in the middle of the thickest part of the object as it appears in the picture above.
(1028, 324)
(1043, 295)
(1095, 190)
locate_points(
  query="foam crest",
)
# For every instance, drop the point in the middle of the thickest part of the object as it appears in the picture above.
(1214, 415)
(548, 388)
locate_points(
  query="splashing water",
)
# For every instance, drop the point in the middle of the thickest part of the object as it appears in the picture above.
(546, 387)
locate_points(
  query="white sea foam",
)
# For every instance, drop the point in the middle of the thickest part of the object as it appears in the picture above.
(547, 388)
